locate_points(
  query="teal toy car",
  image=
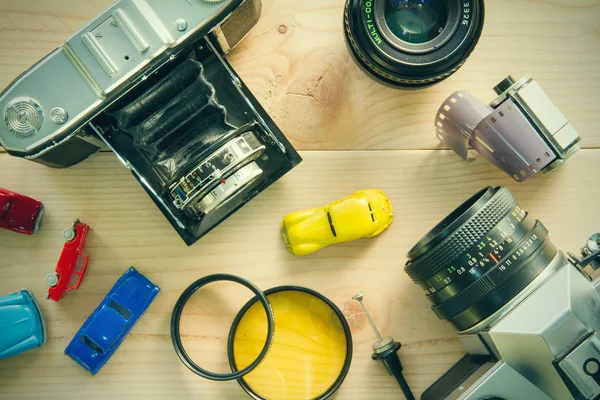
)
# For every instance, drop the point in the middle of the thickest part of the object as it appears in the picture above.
(22, 325)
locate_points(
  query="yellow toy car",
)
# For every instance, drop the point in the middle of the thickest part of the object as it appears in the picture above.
(364, 214)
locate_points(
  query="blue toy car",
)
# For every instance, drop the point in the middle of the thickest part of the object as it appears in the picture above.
(22, 325)
(105, 329)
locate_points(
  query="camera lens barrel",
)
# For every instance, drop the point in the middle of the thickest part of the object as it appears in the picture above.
(412, 44)
(479, 257)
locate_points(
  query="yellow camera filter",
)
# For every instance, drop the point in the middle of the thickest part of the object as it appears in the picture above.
(311, 347)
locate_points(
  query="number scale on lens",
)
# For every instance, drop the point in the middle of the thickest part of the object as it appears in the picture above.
(235, 153)
(527, 247)
(480, 258)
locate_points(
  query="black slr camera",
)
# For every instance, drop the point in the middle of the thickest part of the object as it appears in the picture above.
(148, 80)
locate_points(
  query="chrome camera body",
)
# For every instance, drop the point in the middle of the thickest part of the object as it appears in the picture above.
(147, 79)
(542, 345)
(526, 312)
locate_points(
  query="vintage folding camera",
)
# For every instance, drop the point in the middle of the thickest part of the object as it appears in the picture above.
(147, 78)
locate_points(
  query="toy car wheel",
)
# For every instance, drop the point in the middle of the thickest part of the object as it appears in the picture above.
(52, 279)
(69, 234)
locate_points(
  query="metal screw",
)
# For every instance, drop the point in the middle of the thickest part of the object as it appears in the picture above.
(359, 297)
(181, 25)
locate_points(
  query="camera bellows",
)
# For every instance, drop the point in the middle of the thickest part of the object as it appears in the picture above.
(155, 97)
(165, 101)
(165, 120)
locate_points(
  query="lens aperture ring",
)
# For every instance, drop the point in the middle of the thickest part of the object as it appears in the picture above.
(476, 261)
(481, 256)
(502, 294)
(497, 276)
(465, 237)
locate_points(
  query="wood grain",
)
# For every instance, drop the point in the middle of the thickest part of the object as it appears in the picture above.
(127, 229)
(296, 63)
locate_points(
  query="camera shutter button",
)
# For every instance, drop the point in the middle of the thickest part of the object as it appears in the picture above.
(59, 115)
(181, 25)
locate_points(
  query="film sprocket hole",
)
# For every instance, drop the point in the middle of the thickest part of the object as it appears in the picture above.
(148, 80)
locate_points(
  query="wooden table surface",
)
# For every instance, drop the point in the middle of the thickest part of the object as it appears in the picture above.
(295, 61)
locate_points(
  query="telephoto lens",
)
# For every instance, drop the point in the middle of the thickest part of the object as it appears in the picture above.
(480, 257)
(412, 44)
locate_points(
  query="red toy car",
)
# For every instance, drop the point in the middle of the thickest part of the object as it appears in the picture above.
(19, 213)
(71, 264)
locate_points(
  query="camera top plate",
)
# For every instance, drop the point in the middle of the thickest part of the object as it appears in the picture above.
(97, 65)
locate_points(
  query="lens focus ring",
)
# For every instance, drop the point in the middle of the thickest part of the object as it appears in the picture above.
(469, 234)
(487, 283)
(482, 255)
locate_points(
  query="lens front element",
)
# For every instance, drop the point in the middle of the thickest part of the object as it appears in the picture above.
(416, 21)
(412, 44)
